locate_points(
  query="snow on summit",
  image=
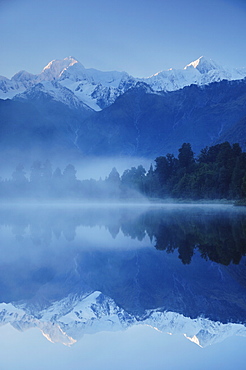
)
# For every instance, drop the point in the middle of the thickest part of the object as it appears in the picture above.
(200, 72)
(54, 69)
(203, 65)
(99, 89)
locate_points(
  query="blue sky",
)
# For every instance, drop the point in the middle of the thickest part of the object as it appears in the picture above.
(141, 37)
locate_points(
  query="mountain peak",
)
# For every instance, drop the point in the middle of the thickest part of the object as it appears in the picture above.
(55, 68)
(23, 76)
(203, 65)
(99, 89)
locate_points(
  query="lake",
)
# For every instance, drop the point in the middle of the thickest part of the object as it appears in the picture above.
(122, 286)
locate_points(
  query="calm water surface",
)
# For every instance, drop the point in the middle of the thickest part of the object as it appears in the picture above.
(136, 287)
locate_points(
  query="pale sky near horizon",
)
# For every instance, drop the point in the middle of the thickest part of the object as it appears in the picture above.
(140, 37)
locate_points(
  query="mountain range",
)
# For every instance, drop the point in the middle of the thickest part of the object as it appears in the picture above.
(69, 108)
(99, 89)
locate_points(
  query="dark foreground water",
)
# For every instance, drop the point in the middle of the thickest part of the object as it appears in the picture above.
(126, 287)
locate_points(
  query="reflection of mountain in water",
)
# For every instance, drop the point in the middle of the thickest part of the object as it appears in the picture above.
(54, 277)
(66, 321)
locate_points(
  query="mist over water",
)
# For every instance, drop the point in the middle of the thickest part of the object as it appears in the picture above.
(186, 228)
(97, 168)
(83, 180)
(87, 166)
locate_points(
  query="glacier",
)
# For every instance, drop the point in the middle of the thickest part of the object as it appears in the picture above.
(99, 89)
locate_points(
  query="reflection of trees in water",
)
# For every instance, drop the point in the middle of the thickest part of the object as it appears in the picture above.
(41, 224)
(218, 236)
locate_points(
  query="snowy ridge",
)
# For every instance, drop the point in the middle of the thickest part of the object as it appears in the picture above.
(200, 72)
(66, 321)
(55, 91)
(200, 331)
(98, 89)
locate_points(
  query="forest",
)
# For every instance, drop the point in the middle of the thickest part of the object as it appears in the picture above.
(218, 172)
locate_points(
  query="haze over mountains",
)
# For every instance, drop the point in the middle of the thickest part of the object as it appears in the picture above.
(72, 109)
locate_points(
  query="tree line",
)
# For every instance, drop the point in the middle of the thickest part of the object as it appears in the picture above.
(218, 172)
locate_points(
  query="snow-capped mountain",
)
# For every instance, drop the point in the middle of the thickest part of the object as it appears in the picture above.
(200, 72)
(66, 321)
(91, 87)
(54, 90)
(98, 89)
